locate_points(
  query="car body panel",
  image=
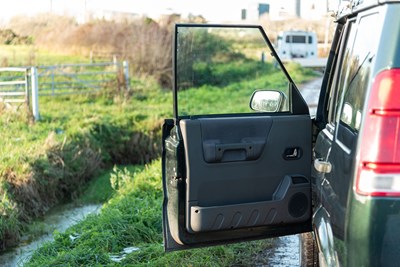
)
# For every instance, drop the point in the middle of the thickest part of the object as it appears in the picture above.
(360, 225)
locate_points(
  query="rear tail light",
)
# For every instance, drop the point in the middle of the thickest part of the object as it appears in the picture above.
(379, 162)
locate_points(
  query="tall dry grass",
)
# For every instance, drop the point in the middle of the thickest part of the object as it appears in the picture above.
(146, 44)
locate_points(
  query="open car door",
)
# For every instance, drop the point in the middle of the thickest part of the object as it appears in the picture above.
(236, 157)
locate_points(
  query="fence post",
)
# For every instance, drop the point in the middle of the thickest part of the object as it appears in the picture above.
(35, 93)
(27, 88)
(125, 65)
(52, 81)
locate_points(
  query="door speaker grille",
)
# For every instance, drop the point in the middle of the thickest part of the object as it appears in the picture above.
(298, 205)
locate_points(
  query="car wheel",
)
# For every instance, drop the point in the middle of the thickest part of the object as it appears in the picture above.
(308, 250)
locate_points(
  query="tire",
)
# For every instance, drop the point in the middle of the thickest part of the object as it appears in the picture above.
(308, 250)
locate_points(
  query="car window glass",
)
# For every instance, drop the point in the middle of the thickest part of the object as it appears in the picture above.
(337, 65)
(298, 39)
(218, 69)
(341, 71)
(358, 74)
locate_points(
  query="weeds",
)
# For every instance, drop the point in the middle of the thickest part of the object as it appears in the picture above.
(119, 178)
(131, 220)
(52, 160)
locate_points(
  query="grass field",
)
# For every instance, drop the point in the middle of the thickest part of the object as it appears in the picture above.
(30, 55)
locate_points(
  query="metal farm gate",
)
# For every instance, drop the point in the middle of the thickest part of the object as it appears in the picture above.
(26, 84)
(14, 85)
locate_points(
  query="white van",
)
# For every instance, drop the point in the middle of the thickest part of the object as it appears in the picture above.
(297, 44)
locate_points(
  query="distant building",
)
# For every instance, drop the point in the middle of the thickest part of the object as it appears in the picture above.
(255, 11)
(281, 10)
(263, 9)
(244, 14)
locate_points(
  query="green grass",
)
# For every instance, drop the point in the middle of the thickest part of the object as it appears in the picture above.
(132, 218)
(235, 96)
(98, 190)
(102, 188)
(65, 119)
(51, 160)
(30, 55)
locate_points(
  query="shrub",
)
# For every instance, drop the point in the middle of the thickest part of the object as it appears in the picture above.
(144, 42)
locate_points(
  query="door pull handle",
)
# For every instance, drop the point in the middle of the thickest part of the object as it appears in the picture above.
(292, 153)
(322, 166)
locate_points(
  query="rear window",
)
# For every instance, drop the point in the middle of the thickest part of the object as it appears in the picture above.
(358, 73)
(298, 39)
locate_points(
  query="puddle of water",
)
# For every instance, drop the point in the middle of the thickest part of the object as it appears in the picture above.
(59, 220)
(286, 252)
(122, 255)
(310, 92)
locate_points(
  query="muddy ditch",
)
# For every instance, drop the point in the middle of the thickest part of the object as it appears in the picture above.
(60, 218)
(61, 174)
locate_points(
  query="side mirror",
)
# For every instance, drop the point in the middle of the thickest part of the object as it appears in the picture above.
(267, 101)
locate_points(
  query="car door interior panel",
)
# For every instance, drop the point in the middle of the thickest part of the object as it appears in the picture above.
(234, 178)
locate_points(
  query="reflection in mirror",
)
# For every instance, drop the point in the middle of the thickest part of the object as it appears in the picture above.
(267, 101)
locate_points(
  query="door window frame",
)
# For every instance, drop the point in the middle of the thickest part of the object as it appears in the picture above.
(297, 105)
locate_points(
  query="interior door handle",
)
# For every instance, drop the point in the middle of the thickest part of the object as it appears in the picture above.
(248, 149)
(222, 148)
(322, 166)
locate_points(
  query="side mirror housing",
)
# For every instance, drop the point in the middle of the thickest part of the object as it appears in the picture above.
(267, 100)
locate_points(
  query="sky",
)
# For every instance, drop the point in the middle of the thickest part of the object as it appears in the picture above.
(212, 10)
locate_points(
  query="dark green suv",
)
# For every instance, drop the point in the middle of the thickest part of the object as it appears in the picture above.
(243, 159)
